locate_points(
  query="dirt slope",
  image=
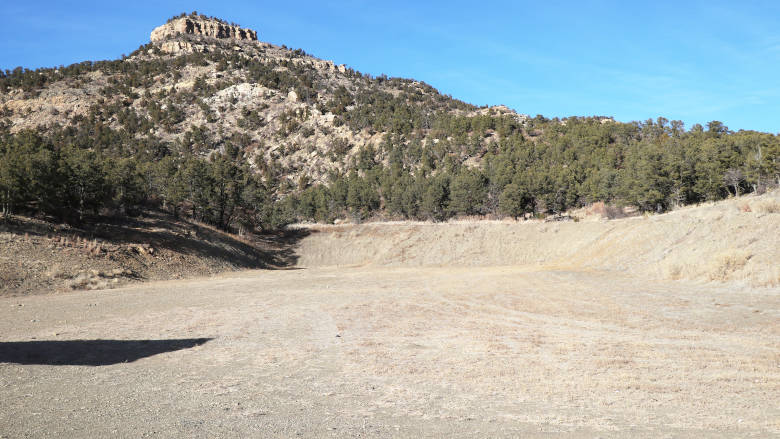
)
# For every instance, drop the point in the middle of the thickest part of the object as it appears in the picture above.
(734, 240)
(39, 257)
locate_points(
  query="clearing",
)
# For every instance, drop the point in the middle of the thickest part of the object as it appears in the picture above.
(588, 329)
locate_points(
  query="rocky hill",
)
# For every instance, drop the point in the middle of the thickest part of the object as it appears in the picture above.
(198, 26)
(207, 120)
(284, 105)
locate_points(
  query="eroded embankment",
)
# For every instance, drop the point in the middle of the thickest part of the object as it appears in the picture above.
(735, 240)
(40, 257)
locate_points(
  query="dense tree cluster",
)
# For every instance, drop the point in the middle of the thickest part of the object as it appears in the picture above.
(58, 176)
(569, 163)
(439, 157)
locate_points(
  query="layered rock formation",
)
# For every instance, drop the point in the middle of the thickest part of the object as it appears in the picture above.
(195, 25)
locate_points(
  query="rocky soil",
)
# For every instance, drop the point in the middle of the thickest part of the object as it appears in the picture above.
(39, 257)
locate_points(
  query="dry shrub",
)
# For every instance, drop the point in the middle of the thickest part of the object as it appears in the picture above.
(97, 279)
(604, 210)
(726, 263)
(674, 271)
(769, 205)
(469, 219)
(99, 285)
(598, 208)
(80, 281)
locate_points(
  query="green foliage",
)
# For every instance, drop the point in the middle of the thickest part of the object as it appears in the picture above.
(362, 197)
(69, 183)
(514, 201)
(438, 157)
(468, 192)
(435, 198)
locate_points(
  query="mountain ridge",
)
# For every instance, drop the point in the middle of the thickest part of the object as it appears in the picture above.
(201, 26)
(319, 141)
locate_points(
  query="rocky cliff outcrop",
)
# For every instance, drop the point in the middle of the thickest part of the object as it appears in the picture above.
(194, 25)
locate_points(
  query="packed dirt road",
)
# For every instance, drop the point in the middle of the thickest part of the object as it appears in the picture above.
(394, 352)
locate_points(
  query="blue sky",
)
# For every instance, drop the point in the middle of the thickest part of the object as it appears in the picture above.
(695, 62)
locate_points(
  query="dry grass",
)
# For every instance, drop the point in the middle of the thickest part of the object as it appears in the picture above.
(97, 279)
(674, 271)
(763, 276)
(725, 264)
(767, 205)
(57, 271)
(712, 242)
(605, 211)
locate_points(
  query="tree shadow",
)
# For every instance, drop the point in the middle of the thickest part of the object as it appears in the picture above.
(272, 250)
(162, 231)
(90, 352)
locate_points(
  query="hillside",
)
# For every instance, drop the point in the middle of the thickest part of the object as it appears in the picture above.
(209, 121)
(735, 240)
(194, 94)
(38, 257)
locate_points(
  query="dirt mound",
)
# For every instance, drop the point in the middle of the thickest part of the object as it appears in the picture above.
(734, 240)
(36, 256)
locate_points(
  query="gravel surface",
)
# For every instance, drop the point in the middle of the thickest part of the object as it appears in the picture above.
(394, 352)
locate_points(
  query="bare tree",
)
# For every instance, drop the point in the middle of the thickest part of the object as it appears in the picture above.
(733, 177)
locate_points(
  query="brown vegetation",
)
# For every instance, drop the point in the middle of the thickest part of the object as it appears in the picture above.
(718, 241)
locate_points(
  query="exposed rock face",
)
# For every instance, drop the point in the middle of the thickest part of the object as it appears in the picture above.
(201, 26)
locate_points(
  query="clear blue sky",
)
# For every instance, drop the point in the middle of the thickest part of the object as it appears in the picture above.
(702, 61)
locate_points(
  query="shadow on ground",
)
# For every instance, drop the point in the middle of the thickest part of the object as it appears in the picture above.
(90, 352)
(273, 250)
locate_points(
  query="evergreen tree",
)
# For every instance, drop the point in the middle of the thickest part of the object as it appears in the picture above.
(468, 191)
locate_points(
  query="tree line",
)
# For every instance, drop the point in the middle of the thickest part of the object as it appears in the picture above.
(653, 166)
(439, 157)
(76, 172)
(52, 176)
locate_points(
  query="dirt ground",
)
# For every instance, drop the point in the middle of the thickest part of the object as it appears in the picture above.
(38, 257)
(658, 326)
(394, 352)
